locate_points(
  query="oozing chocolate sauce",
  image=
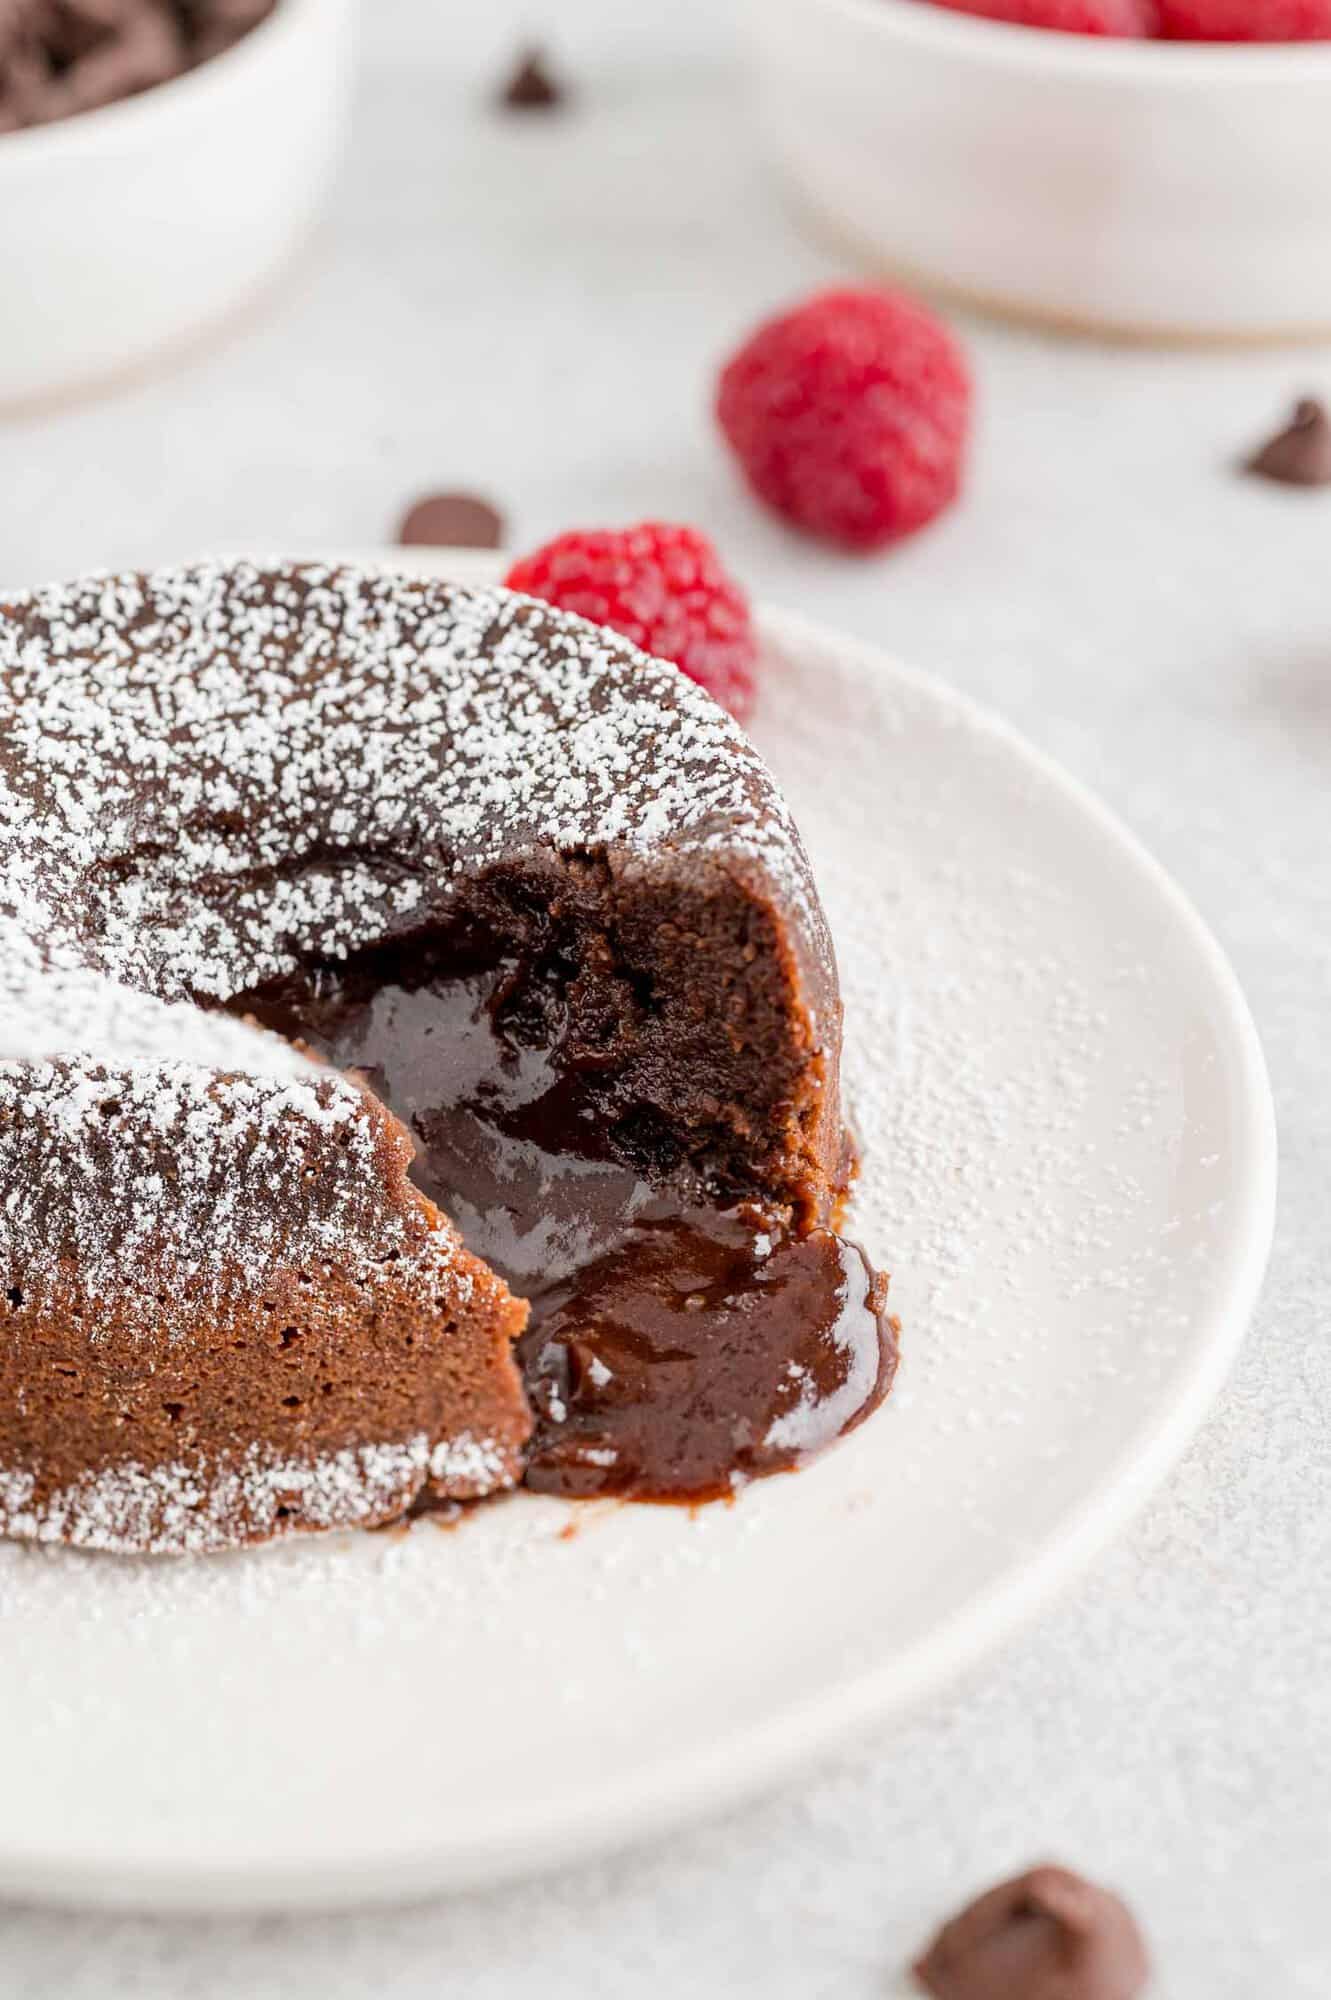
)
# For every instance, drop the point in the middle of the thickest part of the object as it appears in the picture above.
(698, 1354)
(676, 1346)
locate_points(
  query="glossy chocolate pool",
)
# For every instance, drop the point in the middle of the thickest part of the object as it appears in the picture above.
(679, 1342)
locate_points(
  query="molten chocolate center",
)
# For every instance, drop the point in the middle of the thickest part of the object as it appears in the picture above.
(678, 1342)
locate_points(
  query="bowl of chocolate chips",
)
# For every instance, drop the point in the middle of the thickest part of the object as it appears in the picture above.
(160, 164)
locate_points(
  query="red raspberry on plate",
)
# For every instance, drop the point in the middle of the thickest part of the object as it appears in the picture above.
(1246, 20)
(850, 415)
(664, 588)
(1134, 18)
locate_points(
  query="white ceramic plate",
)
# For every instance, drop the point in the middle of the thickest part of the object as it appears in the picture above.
(1070, 1167)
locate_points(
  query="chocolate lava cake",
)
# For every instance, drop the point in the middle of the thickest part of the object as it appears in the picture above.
(419, 1045)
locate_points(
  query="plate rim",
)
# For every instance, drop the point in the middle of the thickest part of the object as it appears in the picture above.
(708, 1780)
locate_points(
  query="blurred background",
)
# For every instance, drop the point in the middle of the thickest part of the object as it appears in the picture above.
(535, 307)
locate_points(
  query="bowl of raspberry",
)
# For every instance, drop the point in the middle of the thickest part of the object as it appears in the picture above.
(160, 160)
(1148, 168)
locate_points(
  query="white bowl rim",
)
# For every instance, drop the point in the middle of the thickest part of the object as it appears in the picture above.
(1142, 59)
(84, 131)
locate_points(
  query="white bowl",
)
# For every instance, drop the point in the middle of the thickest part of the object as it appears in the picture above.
(128, 230)
(1150, 188)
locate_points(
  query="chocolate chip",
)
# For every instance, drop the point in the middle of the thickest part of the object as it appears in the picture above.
(531, 87)
(451, 521)
(1047, 1935)
(145, 48)
(1300, 454)
(59, 57)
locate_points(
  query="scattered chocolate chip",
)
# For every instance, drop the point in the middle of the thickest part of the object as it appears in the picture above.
(531, 87)
(1300, 454)
(1047, 1935)
(451, 521)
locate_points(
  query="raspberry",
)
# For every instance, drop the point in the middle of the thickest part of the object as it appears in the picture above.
(849, 415)
(664, 588)
(1246, 20)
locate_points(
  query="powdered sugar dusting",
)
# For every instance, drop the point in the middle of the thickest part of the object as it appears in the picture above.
(206, 772)
(984, 1065)
(210, 1180)
(176, 1510)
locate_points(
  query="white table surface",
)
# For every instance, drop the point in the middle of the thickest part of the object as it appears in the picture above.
(537, 309)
